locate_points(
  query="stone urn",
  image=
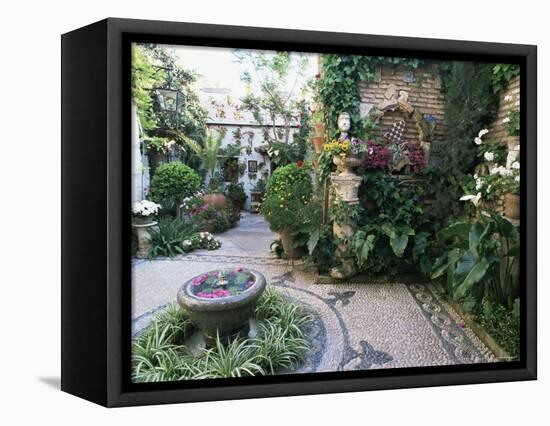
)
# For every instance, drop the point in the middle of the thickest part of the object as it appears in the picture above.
(143, 226)
(221, 302)
(288, 245)
(216, 199)
(346, 163)
(511, 206)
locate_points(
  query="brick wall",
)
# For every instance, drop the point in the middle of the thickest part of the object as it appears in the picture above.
(424, 89)
(509, 100)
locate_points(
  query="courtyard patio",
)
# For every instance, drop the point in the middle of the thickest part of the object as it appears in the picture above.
(355, 327)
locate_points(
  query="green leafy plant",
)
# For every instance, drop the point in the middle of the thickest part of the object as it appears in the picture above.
(472, 261)
(502, 324)
(210, 152)
(173, 182)
(159, 353)
(236, 195)
(512, 122)
(166, 240)
(502, 74)
(288, 195)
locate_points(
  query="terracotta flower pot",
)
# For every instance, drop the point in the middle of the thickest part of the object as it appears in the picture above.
(288, 245)
(511, 206)
(319, 129)
(318, 142)
(215, 199)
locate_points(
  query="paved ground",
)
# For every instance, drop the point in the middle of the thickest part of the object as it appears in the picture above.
(356, 326)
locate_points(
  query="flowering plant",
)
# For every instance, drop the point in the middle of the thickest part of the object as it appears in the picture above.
(145, 208)
(288, 194)
(201, 240)
(492, 186)
(337, 147)
(379, 156)
(490, 151)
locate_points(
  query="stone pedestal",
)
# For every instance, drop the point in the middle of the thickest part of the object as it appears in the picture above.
(143, 232)
(346, 186)
(344, 254)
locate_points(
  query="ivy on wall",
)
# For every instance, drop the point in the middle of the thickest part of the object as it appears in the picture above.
(337, 86)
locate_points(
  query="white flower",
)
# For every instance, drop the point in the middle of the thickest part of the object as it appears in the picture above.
(145, 208)
(489, 188)
(482, 132)
(506, 120)
(473, 198)
(489, 156)
(186, 243)
(515, 165)
(478, 141)
(516, 178)
(479, 184)
(508, 98)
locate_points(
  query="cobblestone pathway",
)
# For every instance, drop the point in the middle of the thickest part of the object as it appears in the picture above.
(356, 326)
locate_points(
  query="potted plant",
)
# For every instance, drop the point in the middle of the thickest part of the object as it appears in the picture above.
(319, 131)
(346, 153)
(144, 211)
(210, 153)
(172, 183)
(286, 204)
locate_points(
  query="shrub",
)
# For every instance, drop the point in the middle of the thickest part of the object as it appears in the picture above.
(174, 181)
(209, 218)
(167, 238)
(236, 195)
(288, 195)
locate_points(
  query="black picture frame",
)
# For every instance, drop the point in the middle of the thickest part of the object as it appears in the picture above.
(252, 166)
(96, 228)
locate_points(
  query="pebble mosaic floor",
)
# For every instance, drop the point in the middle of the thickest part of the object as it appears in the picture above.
(356, 326)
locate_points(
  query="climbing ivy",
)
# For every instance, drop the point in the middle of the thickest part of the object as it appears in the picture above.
(502, 74)
(337, 86)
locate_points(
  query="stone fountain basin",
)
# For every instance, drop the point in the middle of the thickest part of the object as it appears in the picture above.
(228, 316)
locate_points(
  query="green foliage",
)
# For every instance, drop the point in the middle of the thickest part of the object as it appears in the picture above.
(394, 227)
(236, 195)
(470, 106)
(267, 77)
(513, 124)
(362, 246)
(172, 182)
(166, 239)
(502, 74)
(338, 91)
(144, 78)
(210, 152)
(472, 261)
(502, 325)
(344, 213)
(187, 130)
(288, 195)
(158, 354)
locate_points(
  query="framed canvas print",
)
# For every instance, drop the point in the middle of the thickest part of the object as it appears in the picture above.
(253, 212)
